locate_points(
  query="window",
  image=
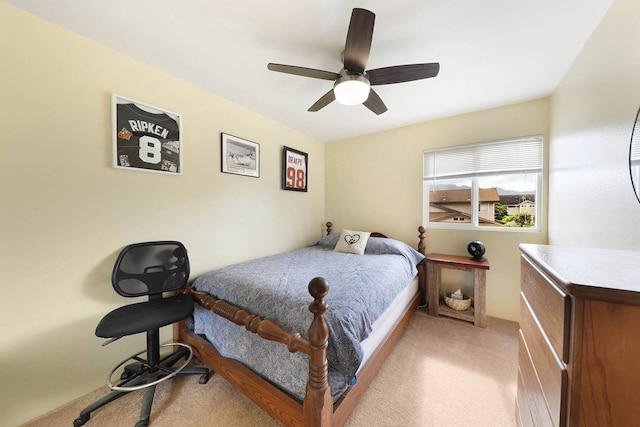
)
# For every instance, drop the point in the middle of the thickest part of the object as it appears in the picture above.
(501, 179)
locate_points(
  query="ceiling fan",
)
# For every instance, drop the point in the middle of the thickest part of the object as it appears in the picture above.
(352, 85)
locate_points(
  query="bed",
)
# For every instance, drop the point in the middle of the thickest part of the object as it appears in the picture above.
(306, 368)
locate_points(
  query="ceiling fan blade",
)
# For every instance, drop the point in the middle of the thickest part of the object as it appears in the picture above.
(325, 100)
(374, 103)
(302, 71)
(358, 44)
(402, 73)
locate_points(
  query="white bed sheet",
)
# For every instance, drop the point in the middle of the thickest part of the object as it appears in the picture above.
(387, 321)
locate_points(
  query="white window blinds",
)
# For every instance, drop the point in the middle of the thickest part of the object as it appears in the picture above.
(515, 155)
(634, 155)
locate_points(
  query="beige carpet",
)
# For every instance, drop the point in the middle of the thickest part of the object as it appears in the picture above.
(443, 372)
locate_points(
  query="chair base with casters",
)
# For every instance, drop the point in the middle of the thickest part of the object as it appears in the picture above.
(151, 269)
(143, 374)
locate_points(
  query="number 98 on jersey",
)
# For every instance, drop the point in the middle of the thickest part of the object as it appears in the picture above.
(294, 174)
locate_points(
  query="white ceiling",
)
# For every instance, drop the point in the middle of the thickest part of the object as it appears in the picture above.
(491, 52)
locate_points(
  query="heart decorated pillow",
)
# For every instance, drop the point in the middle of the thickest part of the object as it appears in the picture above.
(352, 241)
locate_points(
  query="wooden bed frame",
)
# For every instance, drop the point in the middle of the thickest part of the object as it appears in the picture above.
(317, 409)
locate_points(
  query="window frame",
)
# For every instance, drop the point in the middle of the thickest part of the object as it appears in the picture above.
(475, 178)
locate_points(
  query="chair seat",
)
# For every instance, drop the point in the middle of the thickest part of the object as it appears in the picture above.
(144, 316)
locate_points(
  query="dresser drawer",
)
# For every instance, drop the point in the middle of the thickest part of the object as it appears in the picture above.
(551, 306)
(531, 401)
(550, 371)
(523, 410)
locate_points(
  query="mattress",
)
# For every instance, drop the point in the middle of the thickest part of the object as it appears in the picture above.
(387, 320)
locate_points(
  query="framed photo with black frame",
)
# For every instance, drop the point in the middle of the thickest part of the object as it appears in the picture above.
(145, 137)
(240, 156)
(295, 168)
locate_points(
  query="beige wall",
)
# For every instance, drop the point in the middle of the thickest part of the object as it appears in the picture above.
(66, 212)
(591, 197)
(374, 182)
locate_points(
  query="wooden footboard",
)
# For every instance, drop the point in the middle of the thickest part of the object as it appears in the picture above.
(317, 407)
(316, 410)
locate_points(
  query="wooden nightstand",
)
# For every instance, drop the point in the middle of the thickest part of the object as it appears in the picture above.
(435, 264)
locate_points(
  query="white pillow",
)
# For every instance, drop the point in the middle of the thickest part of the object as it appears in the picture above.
(351, 241)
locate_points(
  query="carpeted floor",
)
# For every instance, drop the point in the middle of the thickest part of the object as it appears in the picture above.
(443, 372)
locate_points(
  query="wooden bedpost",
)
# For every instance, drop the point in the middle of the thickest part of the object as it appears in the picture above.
(318, 405)
(422, 274)
(421, 247)
(329, 224)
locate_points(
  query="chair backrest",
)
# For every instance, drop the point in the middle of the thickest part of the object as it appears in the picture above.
(150, 268)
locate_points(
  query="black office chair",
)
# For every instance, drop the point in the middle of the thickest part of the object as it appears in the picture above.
(147, 269)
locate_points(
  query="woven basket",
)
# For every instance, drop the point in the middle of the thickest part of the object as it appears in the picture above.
(457, 304)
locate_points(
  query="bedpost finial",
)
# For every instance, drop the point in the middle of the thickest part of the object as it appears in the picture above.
(318, 287)
(329, 224)
(421, 246)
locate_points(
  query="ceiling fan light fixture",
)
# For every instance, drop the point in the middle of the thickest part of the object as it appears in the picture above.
(351, 89)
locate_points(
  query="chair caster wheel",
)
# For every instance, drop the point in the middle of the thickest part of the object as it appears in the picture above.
(81, 420)
(204, 378)
(131, 370)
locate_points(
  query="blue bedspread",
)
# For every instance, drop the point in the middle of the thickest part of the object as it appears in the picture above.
(361, 287)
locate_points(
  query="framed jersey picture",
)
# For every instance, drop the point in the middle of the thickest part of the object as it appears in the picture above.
(294, 169)
(145, 138)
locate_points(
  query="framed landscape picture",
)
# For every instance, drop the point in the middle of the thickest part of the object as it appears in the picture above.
(294, 169)
(240, 156)
(145, 137)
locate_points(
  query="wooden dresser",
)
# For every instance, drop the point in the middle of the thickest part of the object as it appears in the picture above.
(579, 354)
